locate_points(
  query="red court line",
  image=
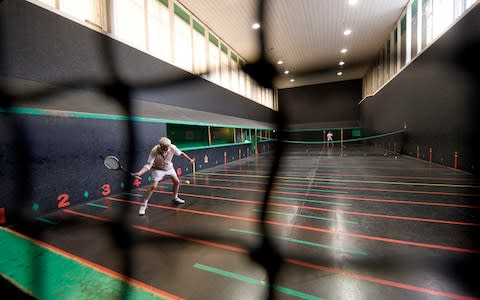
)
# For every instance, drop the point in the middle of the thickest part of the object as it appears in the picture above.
(265, 174)
(279, 183)
(308, 228)
(338, 180)
(95, 266)
(195, 240)
(342, 197)
(381, 281)
(165, 233)
(336, 166)
(297, 262)
(347, 212)
(231, 168)
(380, 160)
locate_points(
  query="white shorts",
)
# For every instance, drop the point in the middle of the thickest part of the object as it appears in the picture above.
(157, 175)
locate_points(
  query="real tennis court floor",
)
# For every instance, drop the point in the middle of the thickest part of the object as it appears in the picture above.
(349, 227)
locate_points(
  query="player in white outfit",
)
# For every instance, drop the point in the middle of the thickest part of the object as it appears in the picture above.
(329, 138)
(160, 162)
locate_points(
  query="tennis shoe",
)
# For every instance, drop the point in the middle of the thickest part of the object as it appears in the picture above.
(178, 200)
(142, 210)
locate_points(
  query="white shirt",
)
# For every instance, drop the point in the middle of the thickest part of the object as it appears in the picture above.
(162, 160)
(330, 136)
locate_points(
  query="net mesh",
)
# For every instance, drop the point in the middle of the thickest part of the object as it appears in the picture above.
(346, 142)
(314, 142)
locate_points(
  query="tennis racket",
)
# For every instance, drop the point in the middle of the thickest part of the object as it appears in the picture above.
(112, 163)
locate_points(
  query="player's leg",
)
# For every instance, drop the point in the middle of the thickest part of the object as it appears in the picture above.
(157, 176)
(176, 188)
(149, 192)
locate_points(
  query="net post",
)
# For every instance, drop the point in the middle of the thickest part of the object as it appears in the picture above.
(256, 144)
(341, 137)
(418, 152)
(209, 136)
(324, 138)
(455, 161)
(430, 154)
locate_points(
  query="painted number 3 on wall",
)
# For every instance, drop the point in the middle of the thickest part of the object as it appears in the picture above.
(106, 189)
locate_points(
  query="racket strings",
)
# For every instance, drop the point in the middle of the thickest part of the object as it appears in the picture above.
(112, 163)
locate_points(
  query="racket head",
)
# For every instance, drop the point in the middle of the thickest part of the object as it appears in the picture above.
(112, 163)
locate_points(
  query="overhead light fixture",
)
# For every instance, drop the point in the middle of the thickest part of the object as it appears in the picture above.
(286, 71)
(352, 2)
(347, 32)
(344, 50)
(341, 63)
(339, 73)
(255, 26)
(292, 80)
(280, 62)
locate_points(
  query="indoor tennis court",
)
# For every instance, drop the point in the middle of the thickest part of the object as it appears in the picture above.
(302, 177)
(380, 223)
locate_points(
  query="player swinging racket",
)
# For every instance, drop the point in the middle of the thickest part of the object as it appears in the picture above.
(160, 162)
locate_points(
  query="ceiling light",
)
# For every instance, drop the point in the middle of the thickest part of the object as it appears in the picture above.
(344, 50)
(280, 62)
(292, 80)
(347, 32)
(286, 71)
(341, 63)
(255, 26)
(339, 73)
(352, 2)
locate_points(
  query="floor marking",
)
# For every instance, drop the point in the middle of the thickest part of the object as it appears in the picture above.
(251, 280)
(17, 254)
(381, 281)
(164, 233)
(310, 200)
(329, 210)
(130, 194)
(97, 205)
(306, 216)
(46, 220)
(296, 241)
(297, 262)
(359, 175)
(278, 197)
(310, 228)
(352, 181)
(282, 183)
(313, 190)
(341, 197)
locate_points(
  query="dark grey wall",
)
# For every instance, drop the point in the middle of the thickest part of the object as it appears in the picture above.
(43, 46)
(65, 156)
(437, 96)
(323, 105)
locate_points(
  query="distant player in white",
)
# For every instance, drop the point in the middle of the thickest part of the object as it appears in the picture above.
(160, 162)
(329, 138)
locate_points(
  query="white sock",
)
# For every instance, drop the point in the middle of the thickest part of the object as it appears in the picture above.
(176, 196)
